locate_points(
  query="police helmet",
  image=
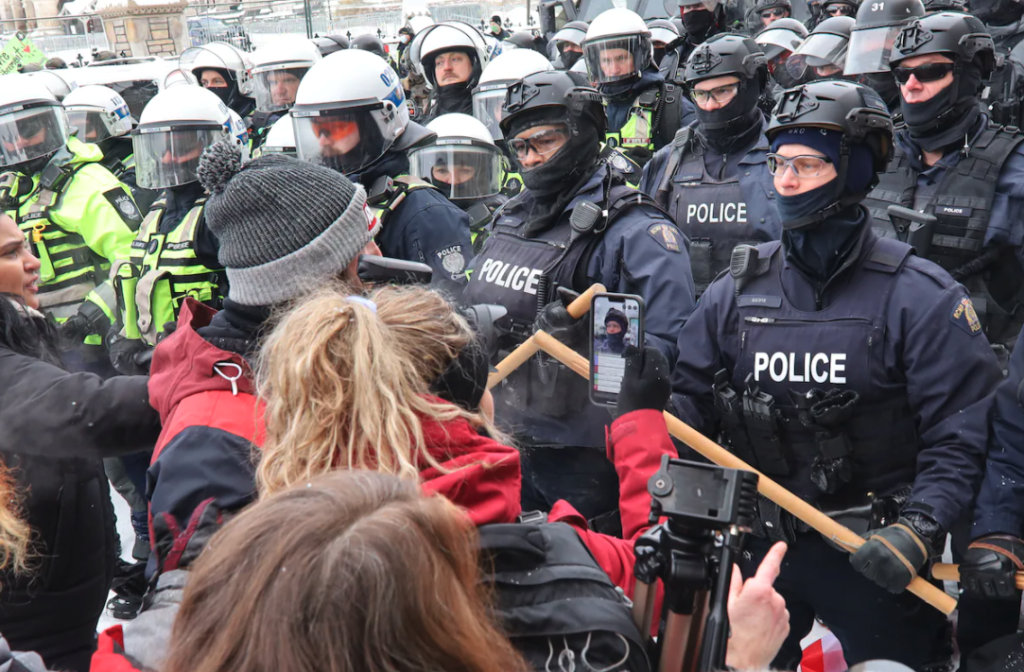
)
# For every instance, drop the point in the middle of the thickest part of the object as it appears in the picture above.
(219, 56)
(947, 6)
(663, 30)
(961, 37)
(854, 110)
(727, 54)
(56, 84)
(781, 36)
(835, 8)
(370, 43)
(764, 6)
(446, 37)
(281, 138)
(556, 93)
(175, 128)
(573, 32)
(99, 113)
(618, 46)
(874, 32)
(28, 110)
(329, 44)
(277, 70)
(489, 96)
(522, 39)
(824, 50)
(462, 162)
(349, 123)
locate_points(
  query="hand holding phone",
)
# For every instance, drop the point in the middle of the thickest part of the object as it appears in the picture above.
(617, 322)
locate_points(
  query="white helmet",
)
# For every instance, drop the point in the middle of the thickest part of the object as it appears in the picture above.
(57, 85)
(349, 122)
(219, 56)
(450, 36)
(462, 162)
(618, 46)
(281, 137)
(32, 122)
(98, 112)
(277, 70)
(510, 67)
(570, 33)
(174, 130)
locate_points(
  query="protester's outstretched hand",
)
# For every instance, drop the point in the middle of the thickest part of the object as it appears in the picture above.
(758, 618)
(646, 381)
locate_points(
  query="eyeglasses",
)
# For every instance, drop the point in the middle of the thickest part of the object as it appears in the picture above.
(805, 165)
(721, 94)
(931, 72)
(839, 10)
(775, 13)
(542, 143)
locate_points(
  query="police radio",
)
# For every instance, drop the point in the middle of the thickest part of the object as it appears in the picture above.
(616, 322)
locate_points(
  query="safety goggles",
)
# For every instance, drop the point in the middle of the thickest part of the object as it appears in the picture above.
(774, 13)
(542, 143)
(839, 10)
(804, 165)
(333, 128)
(721, 94)
(930, 72)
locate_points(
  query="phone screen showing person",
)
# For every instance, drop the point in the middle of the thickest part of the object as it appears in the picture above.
(617, 322)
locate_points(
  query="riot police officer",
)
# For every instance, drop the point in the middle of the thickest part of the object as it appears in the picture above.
(871, 39)
(713, 178)
(451, 56)
(276, 73)
(79, 218)
(823, 54)
(569, 43)
(644, 111)
(224, 69)
(489, 96)
(329, 44)
(663, 34)
(174, 254)
(359, 125)
(466, 167)
(574, 224)
(955, 166)
(850, 371)
(767, 12)
(779, 41)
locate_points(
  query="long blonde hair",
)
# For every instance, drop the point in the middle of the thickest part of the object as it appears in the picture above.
(346, 387)
(15, 533)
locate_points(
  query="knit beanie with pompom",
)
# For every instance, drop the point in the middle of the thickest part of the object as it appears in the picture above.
(284, 226)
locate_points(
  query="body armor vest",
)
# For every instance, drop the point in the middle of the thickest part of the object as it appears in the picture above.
(651, 124)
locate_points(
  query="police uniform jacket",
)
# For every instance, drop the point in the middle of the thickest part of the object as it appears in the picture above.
(889, 326)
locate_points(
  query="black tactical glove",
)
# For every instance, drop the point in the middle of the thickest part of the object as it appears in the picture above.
(74, 329)
(89, 319)
(893, 555)
(130, 356)
(555, 319)
(646, 381)
(990, 566)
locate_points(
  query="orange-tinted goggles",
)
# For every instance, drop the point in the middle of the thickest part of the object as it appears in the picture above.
(334, 128)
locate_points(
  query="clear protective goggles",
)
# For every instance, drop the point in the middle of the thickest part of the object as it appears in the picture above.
(347, 140)
(819, 50)
(274, 90)
(459, 171)
(170, 157)
(544, 142)
(32, 132)
(870, 50)
(93, 124)
(487, 107)
(617, 58)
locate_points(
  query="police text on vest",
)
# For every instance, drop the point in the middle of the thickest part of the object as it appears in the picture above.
(518, 278)
(818, 368)
(717, 213)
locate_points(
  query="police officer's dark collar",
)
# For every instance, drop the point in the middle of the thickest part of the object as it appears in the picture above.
(953, 153)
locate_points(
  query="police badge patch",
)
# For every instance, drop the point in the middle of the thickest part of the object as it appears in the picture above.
(666, 236)
(125, 206)
(965, 317)
(452, 260)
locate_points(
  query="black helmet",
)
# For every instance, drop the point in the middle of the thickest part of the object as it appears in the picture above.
(549, 91)
(875, 30)
(761, 5)
(854, 110)
(854, 6)
(947, 6)
(781, 36)
(723, 55)
(330, 44)
(370, 43)
(523, 39)
(827, 45)
(959, 36)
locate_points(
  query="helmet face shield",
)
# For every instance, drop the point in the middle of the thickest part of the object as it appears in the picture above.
(170, 157)
(275, 89)
(820, 50)
(777, 41)
(460, 171)
(32, 132)
(870, 50)
(347, 140)
(487, 108)
(615, 59)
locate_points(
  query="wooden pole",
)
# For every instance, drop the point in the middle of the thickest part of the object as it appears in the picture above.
(945, 572)
(528, 348)
(831, 530)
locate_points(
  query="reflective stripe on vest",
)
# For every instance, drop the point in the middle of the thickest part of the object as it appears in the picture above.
(636, 132)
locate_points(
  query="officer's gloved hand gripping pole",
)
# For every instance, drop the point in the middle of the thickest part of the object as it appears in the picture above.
(830, 529)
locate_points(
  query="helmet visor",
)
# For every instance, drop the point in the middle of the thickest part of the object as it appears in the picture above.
(275, 90)
(573, 35)
(346, 140)
(30, 133)
(168, 158)
(870, 50)
(459, 171)
(90, 124)
(776, 42)
(487, 108)
(617, 58)
(819, 50)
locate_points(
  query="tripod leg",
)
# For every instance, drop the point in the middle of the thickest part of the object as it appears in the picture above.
(643, 607)
(693, 650)
(675, 642)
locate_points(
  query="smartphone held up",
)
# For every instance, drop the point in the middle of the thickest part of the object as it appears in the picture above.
(617, 322)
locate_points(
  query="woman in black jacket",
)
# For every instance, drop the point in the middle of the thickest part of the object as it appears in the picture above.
(54, 429)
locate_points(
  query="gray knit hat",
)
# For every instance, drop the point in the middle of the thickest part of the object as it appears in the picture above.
(284, 225)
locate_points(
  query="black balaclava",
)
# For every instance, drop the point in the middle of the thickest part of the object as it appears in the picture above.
(948, 116)
(885, 86)
(569, 58)
(230, 95)
(616, 342)
(698, 25)
(659, 55)
(721, 127)
(781, 74)
(555, 183)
